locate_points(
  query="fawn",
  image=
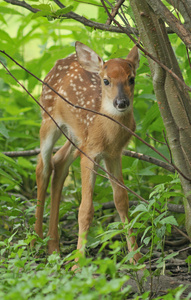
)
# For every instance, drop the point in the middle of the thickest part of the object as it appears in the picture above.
(107, 87)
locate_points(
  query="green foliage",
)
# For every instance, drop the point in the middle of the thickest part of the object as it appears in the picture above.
(36, 43)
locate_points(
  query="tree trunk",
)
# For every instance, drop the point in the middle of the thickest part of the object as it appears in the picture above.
(173, 100)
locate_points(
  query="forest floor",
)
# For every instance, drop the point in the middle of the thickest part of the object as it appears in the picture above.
(175, 274)
(176, 270)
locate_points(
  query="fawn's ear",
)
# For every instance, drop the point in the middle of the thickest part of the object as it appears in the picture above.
(133, 57)
(88, 59)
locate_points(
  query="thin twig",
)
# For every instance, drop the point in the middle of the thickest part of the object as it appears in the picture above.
(115, 11)
(152, 138)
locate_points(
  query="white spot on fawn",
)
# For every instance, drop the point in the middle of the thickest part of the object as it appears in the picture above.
(48, 97)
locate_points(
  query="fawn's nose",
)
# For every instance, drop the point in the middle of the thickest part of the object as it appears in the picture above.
(121, 104)
(121, 101)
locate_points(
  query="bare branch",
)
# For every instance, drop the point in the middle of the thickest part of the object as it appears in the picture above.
(25, 153)
(22, 4)
(149, 159)
(76, 17)
(115, 11)
(129, 153)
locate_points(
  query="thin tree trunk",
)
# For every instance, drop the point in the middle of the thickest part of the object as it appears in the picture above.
(174, 102)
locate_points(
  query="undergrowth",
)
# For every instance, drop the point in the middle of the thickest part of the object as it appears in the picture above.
(105, 272)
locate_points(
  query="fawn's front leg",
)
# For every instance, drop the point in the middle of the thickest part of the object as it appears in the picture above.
(86, 209)
(121, 200)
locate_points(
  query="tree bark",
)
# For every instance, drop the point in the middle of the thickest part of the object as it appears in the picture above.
(174, 101)
(184, 8)
(162, 11)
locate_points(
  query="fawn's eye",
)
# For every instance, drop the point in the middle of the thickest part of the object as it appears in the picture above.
(132, 80)
(106, 82)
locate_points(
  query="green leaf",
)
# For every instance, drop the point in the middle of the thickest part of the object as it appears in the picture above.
(5, 36)
(43, 7)
(147, 240)
(4, 158)
(171, 255)
(133, 222)
(146, 171)
(140, 207)
(10, 11)
(169, 220)
(4, 131)
(161, 232)
(6, 175)
(157, 125)
(63, 11)
(151, 203)
(2, 19)
(158, 219)
(25, 163)
(145, 232)
(109, 234)
(43, 13)
(152, 114)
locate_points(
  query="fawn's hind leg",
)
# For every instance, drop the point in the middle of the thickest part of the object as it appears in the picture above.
(61, 162)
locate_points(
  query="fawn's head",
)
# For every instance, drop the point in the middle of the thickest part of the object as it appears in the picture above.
(117, 77)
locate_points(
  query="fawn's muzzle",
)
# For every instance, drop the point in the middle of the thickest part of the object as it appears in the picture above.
(121, 101)
(121, 104)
